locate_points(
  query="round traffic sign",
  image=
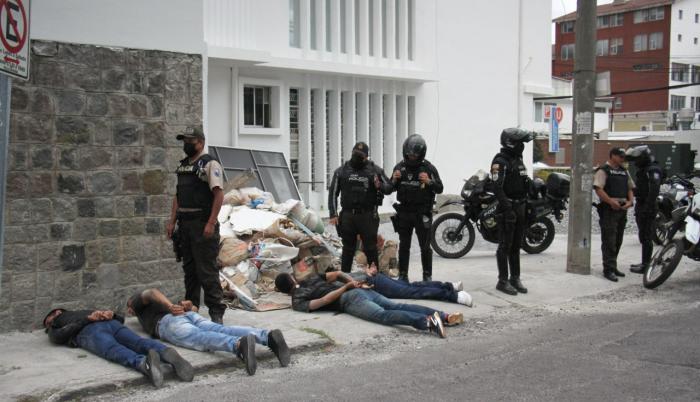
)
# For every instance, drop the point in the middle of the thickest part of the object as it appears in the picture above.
(559, 114)
(13, 30)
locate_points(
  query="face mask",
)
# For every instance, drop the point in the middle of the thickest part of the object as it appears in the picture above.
(190, 149)
(412, 162)
(357, 160)
(519, 148)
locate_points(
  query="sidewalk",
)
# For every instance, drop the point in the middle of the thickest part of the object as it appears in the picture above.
(31, 366)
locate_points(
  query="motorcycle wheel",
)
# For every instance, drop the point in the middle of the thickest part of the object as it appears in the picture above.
(663, 264)
(660, 231)
(538, 236)
(445, 239)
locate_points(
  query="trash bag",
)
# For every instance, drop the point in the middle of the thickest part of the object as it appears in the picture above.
(283, 229)
(232, 251)
(271, 250)
(308, 217)
(235, 198)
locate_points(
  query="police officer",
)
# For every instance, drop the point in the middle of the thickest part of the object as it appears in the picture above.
(648, 180)
(614, 187)
(416, 181)
(361, 185)
(195, 209)
(510, 185)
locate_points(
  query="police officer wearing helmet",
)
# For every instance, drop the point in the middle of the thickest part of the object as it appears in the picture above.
(195, 210)
(614, 187)
(648, 180)
(417, 182)
(510, 185)
(361, 185)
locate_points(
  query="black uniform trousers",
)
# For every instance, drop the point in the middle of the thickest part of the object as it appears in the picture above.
(645, 224)
(408, 221)
(612, 231)
(510, 240)
(199, 263)
(364, 223)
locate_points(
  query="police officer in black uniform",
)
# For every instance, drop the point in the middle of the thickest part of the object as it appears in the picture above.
(195, 210)
(510, 185)
(417, 182)
(361, 185)
(614, 187)
(648, 181)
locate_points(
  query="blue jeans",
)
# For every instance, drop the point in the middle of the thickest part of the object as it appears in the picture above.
(192, 331)
(371, 306)
(113, 341)
(395, 289)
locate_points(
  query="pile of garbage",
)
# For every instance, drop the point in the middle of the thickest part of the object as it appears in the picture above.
(261, 238)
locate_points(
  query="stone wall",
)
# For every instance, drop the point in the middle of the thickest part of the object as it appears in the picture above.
(90, 183)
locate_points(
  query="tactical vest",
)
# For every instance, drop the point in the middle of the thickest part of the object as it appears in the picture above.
(516, 178)
(357, 190)
(192, 187)
(617, 181)
(642, 182)
(412, 193)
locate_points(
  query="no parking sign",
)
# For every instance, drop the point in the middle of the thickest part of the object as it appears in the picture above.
(14, 38)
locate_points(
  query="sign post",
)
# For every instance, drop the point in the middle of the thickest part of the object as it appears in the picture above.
(14, 61)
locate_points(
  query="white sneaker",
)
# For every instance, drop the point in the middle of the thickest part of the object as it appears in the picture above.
(458, 286)
(464, 298)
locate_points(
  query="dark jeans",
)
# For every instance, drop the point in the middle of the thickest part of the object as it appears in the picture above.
(113, 341)
(612, 230)
(371, 306)
(199, 263)
(364, 224)
(396, 289)
(408, 221)
(645, 223)
(511, 238)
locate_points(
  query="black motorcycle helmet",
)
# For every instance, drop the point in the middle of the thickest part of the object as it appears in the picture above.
(414, 148)
(514, 138)
(640, 155)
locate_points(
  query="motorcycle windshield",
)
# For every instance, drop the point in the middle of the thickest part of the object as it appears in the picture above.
(475, 180)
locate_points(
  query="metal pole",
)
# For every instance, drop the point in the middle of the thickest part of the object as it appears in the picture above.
(5, 85)
(579, 247)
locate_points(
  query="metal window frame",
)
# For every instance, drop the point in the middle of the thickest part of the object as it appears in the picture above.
(269, 102)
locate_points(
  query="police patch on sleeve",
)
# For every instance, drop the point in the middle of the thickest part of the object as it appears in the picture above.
(217, 173)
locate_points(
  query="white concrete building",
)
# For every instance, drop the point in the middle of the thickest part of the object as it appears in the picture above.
(310, 77)
(685, 57)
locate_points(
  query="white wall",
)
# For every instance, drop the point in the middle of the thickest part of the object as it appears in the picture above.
(174, 25)
(685, 51)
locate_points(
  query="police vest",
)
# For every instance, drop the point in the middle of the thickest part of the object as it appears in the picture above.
(617, 181)
(411, 192)
(192, 187)
(357, 190)
(642, 182)
(516, 178)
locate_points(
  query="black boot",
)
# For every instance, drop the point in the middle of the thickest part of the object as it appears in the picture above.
(609, 275)
(638, 268)
(183, 369)
(403, 276)
(150, 367)
(426, 278)
(276, 343)
(246, 352)
(505, 287)
(518, 285)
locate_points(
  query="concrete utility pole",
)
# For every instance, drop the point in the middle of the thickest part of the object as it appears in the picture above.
(578, 258)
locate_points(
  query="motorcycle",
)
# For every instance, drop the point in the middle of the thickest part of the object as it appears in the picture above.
(676, 192)
(667, 258)
(453, 234)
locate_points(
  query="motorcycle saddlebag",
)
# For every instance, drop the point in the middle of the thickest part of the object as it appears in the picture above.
(558, 185)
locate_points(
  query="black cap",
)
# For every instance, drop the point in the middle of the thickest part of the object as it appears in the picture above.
(619, 151)
(361, 147)
(192, 132)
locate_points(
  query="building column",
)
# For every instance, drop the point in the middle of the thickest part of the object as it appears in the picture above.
(334, 130)
(391, 21)
(364, 28)
(348, 124)
(377, 29)
(376, 137)
(305, 24)
(350, 29)
(389, 132)
(402, 20)
(363, 116)
(319, 133)
(321, 26)
(335, 28)
(401, 124)
(305, 143)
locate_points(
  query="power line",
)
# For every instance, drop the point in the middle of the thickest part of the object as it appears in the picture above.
(624, 92)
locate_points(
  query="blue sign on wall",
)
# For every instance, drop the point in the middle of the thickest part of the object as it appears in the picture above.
(553, 131)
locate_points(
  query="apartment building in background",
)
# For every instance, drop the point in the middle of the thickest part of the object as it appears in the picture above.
(643, 44)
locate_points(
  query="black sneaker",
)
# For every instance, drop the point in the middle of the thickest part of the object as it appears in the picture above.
(183, 368)
(278, 346)
(436, 326)
(618, 273)
(150, 367)
(505, 287)
(246, 351)
(518, 285)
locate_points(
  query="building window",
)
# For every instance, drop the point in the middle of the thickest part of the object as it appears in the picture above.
(650, 14)
(329, 35)
(697, 18)
(618, 103)
(601, 48)
(692, 102)
(646, 67)
(680, 37)
(695, 74)
(567, 27)
(603, 21)
(538, 112)
(656, 41)
(640, 43)
(695, 41)
(697, 104)
(599, 109)
(677, 102)
(294, 133)
(680, 14)
(617, 20)
(679, 72)
(294, 24)
(616, 46)
(612, 20)
(567, 52)
(312, 21)
(256, 107)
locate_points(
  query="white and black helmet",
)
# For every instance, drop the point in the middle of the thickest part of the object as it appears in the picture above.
(640, 155)
(512, 137)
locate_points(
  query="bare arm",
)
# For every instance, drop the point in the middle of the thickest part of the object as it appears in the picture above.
(338, 276)
(155, 296)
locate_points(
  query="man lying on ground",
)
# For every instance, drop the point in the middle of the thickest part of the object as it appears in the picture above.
(428, 290)
(103, 333)
(324, 292)
(181, 325)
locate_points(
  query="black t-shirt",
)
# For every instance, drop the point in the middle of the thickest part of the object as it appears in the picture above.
(315, 287)
(148, 314)
(68, 317)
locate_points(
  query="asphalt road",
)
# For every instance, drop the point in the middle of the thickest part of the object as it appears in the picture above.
(630, 344)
